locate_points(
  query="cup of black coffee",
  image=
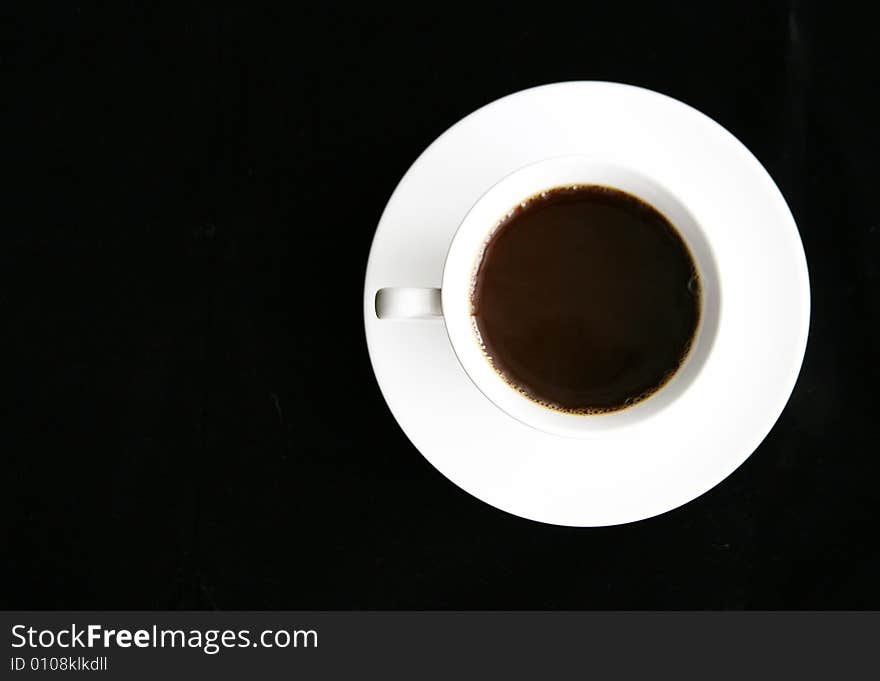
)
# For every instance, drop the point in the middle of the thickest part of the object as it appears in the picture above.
(578, 294)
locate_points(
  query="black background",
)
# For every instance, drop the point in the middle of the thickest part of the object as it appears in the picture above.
(191, 420)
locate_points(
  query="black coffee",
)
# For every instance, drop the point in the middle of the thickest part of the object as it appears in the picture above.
(586, 299)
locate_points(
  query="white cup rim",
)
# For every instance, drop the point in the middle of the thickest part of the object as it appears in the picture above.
(477, 227)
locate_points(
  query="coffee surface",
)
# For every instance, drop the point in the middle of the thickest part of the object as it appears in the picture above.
(586, 299)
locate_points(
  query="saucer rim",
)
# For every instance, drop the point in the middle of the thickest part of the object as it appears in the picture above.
(800, 336)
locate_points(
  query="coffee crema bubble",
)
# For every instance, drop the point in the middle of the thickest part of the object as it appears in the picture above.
(585, 299)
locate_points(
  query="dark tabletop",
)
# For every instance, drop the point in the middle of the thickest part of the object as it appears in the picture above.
(191, 420)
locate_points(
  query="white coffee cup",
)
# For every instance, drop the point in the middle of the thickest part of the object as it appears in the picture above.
(452, 302)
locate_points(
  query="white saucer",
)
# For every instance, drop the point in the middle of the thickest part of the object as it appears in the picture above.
(699, 439)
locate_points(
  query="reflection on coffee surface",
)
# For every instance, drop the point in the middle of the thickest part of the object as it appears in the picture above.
(586, 299)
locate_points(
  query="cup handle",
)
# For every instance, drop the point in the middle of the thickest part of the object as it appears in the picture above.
(408, 303)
